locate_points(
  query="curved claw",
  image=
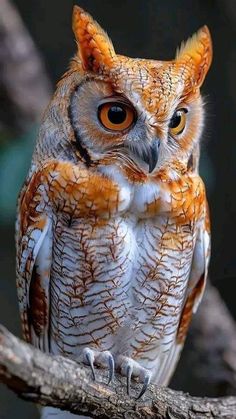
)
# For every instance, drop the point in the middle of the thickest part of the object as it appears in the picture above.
(111, 368)
(129, 375)
(147, 380)
(90, 360)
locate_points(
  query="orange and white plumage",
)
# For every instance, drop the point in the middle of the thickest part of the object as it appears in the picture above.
(113, 231)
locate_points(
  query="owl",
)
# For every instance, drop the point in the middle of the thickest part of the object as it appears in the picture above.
(113, 236)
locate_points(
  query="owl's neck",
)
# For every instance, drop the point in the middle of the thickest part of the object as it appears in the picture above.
(135, 174)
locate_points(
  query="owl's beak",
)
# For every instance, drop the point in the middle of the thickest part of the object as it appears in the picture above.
(150, 156)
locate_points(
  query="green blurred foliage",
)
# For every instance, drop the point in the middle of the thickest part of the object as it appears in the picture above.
(15, 156)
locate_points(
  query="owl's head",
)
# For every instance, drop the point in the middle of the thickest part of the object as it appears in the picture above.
(135, 113)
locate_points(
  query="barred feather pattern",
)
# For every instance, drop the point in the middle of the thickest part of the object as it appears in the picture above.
(117, 283)
(113, 233)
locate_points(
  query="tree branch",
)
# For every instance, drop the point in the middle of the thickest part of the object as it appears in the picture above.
(62, 383)
(25, 87)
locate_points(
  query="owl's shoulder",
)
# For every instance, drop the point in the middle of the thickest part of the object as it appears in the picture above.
(70, 188)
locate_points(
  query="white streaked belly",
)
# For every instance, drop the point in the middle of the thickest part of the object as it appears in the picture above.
(119, 286)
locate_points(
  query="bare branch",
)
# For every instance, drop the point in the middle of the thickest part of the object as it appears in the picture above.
(62, 383)
(25, 87)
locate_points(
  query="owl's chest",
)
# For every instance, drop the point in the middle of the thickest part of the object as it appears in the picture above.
(125, 274)
(128, 257)
(117, 270)
(117, 254)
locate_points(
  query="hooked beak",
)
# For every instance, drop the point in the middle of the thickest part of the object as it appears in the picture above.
(150, 155)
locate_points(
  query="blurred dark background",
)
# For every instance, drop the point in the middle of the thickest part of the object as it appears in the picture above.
(139, 28)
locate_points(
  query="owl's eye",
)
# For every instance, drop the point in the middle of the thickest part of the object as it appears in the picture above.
(178, 121)
(116, 116)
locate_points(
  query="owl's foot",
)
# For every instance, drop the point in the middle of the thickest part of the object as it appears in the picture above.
(129, 368)
(104, 359)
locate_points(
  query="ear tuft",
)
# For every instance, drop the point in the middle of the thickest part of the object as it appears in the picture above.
(94, 47)
(197, 51)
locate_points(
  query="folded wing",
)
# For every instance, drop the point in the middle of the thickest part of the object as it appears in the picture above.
(34, 254)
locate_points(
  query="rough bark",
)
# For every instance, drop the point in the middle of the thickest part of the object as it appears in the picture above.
(59, 382)
(24, 86)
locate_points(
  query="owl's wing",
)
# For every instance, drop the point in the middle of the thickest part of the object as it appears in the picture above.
(195, 290)
(198, 277)
(34, 252)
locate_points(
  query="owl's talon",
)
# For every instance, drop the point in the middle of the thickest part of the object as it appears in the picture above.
(89, 356)
(111, 368)
(147, 380)
(129, 375)
(129, 367)
(94, 357)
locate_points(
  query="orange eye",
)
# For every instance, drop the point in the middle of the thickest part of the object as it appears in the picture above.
(178, 122)
(116, 116)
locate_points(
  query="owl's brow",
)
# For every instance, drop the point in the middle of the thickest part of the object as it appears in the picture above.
(117, 97)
